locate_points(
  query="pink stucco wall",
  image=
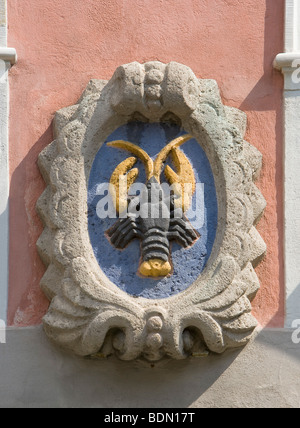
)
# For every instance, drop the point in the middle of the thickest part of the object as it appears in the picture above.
(63, 44)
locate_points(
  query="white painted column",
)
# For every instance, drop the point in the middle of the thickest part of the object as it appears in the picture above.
(7, 58)
(289, 62)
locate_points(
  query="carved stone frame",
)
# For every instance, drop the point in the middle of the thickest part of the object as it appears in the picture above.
(88, 313)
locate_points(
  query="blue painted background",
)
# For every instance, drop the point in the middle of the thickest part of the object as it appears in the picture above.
(121, 266)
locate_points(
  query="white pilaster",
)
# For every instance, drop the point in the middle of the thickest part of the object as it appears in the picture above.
(289, 62)
(4, 183)
(8, 57)
(4, 186)
(292, 30)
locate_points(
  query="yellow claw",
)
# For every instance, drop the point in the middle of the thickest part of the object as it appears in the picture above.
(183, 182)
(164, 153)
(137, 151)
(120, 183)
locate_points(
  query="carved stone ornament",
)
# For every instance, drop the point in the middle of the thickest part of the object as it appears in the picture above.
(90, 313)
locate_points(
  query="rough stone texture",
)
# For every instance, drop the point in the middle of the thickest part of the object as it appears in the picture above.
(264, 374)
(89, 314)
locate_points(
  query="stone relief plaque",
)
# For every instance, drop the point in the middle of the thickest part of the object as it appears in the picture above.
(150, 212)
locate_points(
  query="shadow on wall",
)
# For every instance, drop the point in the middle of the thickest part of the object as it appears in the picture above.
(264, 97)
(285, 343)
(266, 373)
(52, 377)
(165, 384)
(260, 98)
(27, 304)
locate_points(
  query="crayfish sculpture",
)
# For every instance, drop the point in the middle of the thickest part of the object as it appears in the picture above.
(161, 217)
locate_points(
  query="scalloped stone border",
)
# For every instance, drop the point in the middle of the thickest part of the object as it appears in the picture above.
(92, 316)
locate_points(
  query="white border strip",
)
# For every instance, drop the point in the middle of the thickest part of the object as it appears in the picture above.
(289, 63)
(8, 57)
(292, 35)
(4, 172)
(4, 188)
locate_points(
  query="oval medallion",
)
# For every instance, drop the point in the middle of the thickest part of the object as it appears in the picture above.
(155, 241)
